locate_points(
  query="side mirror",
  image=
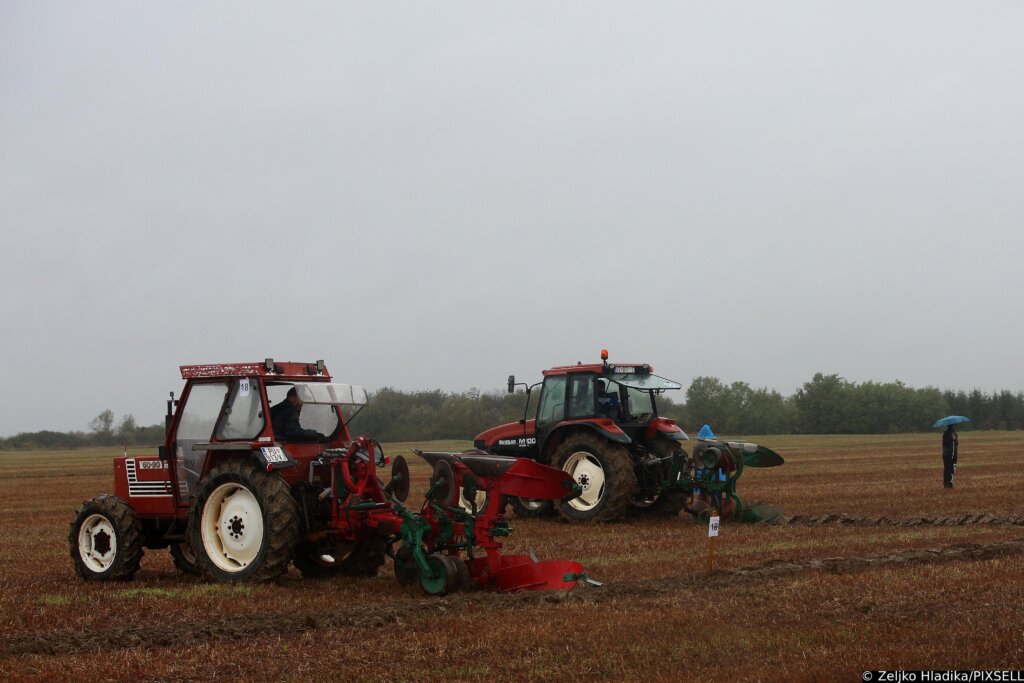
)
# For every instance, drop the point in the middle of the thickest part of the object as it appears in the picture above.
(511, 384)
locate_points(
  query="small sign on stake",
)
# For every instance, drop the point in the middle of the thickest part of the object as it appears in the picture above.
(713, 527)
(712, 535)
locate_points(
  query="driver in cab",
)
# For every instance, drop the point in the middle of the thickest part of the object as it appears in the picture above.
(284, 417)
(607, 402)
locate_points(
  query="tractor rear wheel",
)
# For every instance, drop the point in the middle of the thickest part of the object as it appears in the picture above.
(528, 508)
(244, 523)
(362, 558)
(603, 470)
(106, 540)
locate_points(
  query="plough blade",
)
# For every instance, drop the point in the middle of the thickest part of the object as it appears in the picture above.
(762, 457)
(757, 456)
(522, 573)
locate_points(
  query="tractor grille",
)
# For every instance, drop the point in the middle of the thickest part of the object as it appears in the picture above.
(144, 489)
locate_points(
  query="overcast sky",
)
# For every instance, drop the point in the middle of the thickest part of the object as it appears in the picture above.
(436, 195)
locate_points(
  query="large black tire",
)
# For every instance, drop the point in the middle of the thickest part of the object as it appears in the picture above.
(588, 458)
(185, 558)
(243, 524)
(363, 558)
(529, 508)
(106, 540)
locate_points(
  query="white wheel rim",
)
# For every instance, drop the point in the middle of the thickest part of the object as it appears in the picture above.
(97, 543)
(481, 500)
(586, 470)
(232, 527)
(532, 504)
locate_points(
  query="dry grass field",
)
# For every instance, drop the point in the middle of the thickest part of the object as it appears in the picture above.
(938, 583)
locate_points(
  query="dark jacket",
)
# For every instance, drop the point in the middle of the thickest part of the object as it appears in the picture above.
(284, 417)
(950, 441)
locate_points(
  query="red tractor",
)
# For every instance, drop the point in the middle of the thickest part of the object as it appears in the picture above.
(599, 423)
(259, 470)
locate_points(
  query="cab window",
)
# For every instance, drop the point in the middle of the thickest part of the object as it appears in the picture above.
(243, 416)
(581, 401)
(198, 418)
(552, 402)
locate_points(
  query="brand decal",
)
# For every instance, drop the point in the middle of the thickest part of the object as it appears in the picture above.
(522, 442)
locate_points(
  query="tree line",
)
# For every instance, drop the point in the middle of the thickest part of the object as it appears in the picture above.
(102, 432)
(827, 404)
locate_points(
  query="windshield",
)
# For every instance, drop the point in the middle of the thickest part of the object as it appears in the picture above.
(637, 394)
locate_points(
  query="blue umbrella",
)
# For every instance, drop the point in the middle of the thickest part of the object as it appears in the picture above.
(951, 420)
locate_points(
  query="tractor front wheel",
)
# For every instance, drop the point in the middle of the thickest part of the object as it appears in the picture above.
(603, 470)
(106, 540)
(244, 523)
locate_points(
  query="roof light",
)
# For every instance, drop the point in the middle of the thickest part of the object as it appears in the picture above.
(321, 367)
(268, 364)
(604, 354)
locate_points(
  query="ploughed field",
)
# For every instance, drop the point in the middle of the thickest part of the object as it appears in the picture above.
(874, 566)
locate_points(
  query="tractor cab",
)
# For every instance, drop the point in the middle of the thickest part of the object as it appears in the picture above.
(229, 409)
(621, 400)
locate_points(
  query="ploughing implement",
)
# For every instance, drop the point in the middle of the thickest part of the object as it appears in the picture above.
(455, 529)
(710, 478)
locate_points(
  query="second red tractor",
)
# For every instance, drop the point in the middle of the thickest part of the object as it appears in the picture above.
(599, 423)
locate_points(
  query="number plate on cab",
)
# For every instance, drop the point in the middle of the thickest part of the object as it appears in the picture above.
(274, 454)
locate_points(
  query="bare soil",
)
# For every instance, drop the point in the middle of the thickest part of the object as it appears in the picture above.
(874, 565)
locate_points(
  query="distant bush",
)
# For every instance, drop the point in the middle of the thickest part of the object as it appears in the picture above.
(103, 434)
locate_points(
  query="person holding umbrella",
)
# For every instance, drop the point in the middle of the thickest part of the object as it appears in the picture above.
(950, 443)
